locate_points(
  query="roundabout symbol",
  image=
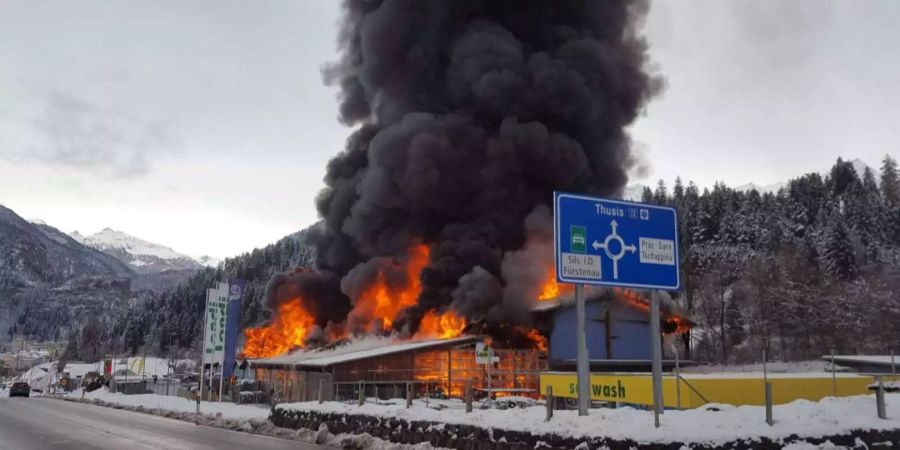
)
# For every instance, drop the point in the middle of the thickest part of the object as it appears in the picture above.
(614, 256)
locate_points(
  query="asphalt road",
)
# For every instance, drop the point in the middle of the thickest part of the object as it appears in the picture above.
(36, 423)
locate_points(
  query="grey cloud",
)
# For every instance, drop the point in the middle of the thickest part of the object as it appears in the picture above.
(73, 132)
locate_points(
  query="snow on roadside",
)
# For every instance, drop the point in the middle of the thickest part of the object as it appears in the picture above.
(247, 418)
(827, 445)
(176, 404)
(368, 442)
(830, 416)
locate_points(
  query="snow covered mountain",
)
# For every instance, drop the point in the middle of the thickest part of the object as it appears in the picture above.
(861, 167)
(50, 283)
(633, 192)
(33, 255)
(208, 261)
(143, 256)
(765, 189)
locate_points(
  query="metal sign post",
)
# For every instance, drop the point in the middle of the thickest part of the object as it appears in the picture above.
(656, 349)
(677, 380)
(833, 376)
(609, 242)
(203, 349)
(484, 354)
(584, 375)
(490, 402)
(893, 368)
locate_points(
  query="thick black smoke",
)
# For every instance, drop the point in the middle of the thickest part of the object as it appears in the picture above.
(318, 292)
(470, 114)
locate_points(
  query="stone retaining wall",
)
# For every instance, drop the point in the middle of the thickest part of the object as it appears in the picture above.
(467, 437)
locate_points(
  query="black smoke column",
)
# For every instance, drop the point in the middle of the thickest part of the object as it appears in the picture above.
(469, 114)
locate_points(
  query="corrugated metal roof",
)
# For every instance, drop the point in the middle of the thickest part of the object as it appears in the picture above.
(875, 360)
(366, 348)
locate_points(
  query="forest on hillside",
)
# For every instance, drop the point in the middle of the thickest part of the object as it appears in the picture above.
(797, 273)
(171, 323)
(811, 268)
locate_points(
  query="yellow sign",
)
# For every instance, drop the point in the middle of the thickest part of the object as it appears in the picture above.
(698, 390)
(624, 388)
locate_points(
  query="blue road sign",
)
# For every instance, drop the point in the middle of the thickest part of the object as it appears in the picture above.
(615, 243)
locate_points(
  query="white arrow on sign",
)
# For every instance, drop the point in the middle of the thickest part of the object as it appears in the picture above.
(615, 257)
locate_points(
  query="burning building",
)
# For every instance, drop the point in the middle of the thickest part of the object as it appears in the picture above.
(442, 361)
(467, 115)
(617, 330)
(384, 367)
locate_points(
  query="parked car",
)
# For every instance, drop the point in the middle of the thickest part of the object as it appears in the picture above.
(510, 402)
(19, 389)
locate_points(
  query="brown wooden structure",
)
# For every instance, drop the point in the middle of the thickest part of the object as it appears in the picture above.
(440, 367)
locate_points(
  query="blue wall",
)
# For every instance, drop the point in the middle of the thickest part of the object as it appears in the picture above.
(630, 331)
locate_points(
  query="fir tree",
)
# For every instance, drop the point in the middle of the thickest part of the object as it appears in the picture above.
(890, 182)
(678, 191)
(661, 195)
(843, 175)
(647, 195)
(837, 253)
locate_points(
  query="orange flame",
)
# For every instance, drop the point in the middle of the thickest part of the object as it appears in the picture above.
(378, 301)
(681, 324)
(553, 288)
(288, 329)
(444, 326)
(539, 340)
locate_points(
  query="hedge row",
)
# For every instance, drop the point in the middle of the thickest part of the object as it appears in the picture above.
(468, 437)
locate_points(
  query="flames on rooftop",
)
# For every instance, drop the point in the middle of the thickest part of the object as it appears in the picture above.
(380, 306)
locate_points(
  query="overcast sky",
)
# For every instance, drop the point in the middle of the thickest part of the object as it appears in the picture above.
(205, 126)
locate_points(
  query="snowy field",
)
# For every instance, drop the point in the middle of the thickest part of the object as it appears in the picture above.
(831, 416)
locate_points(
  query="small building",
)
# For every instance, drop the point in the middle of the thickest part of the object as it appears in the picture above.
(134, 385)
(617, 331)
(872, 364)
(383, 368)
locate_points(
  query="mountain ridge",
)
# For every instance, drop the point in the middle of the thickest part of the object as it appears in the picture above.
(144, 256)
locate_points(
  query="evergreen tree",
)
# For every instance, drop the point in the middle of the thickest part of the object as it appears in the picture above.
(843, 175)
(890, 182)
(91, 340)
(837, 253)
(678, 191)
(867, 217)
(647, 195)
(71, 353)
(661, 195)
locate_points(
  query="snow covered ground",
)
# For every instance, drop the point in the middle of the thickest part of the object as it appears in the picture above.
(150, 366)
(773, 367)
(176, 404)
(248, 418)
(711, 424)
